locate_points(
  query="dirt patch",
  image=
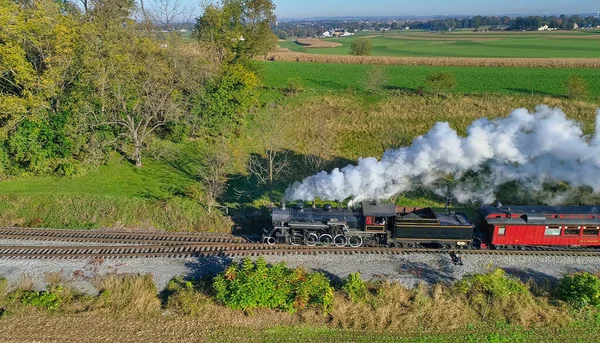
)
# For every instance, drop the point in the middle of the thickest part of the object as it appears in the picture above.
(316, 43)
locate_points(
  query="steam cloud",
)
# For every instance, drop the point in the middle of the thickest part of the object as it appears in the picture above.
(529, 147)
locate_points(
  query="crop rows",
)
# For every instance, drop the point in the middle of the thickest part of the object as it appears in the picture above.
(439, 61)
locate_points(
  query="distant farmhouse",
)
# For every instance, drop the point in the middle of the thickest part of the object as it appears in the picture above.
(336, 33)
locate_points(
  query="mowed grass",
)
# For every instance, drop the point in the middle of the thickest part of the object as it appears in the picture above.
(558, 44)
(471, 80)
(120, 178)
(114, 195)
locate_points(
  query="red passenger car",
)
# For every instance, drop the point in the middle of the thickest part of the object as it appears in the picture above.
(561, 226)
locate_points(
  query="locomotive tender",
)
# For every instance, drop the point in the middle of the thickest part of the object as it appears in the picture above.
(369, 224)
(378, 224)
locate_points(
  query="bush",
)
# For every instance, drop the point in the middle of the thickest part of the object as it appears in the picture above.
(294, 86)
(497, 298)
(375, 79)
(361, 47)
(580, 290)
(46, 299)
(128, 295)
(439, 83)
(355, 287)
(255, 285)
(576, 87)
(494, 284)
(183, 298)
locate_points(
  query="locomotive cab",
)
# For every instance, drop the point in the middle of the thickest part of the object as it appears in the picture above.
(377, 217)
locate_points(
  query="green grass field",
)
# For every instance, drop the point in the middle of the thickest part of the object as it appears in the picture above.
(561, 44)
(113, 195)
(507, 335)
(117, 178)
(471, 80)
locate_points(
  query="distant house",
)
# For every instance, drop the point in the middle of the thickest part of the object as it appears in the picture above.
(327, 34)
(543, 28)
(575, 26)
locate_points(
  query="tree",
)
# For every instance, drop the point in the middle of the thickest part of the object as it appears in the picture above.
(227, 99)
(136, 88)
(439, 83)
(321, 139)
(361, 47)
(375, 80)
(576, 87)
(166, 12)
(238, 29)
(213, 173)
(37, 44)
(272, 160)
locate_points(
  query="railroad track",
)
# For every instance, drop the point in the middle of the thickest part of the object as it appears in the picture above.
(240, 249)
(120, 237)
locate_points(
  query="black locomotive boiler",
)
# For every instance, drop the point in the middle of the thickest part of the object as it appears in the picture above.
(369, 224)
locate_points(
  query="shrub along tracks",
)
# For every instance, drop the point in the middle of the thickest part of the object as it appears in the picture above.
(177, 245)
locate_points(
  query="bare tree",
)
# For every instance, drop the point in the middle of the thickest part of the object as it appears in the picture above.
(166, 12)
(213, 174)
(273, 160)
(320, 147)
(375, 79)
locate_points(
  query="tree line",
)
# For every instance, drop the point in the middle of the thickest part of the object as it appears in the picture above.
(81, 80)
(312, 28)
(562, 22)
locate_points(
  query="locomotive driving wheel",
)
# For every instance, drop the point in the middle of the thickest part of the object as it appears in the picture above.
(355, 241)
(296, 239)
(326, 239)
(340, 240)
(311, 239)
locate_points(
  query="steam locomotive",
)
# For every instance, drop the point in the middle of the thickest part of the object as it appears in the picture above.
(379, 224)
(369, 224)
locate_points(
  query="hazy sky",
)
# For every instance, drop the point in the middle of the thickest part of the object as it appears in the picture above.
(319, 8)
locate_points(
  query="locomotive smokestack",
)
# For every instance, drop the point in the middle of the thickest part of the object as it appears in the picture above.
(448, 202)
(283, 205)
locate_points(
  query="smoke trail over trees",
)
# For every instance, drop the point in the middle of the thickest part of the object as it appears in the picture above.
(529, 147)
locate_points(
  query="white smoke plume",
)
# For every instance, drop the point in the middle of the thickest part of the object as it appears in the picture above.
(529, 147)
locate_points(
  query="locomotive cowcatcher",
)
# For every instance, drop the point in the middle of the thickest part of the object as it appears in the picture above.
(369, 224)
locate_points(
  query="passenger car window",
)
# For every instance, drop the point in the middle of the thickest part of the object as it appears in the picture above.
(570, 231)
(552, 231)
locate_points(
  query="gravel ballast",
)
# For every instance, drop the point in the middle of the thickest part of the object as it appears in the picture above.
(407, 269)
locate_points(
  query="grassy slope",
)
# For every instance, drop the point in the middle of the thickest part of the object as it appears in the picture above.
(471, 80)
(563, 44)
(114, 195)
(118, 178)
(356, 124)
